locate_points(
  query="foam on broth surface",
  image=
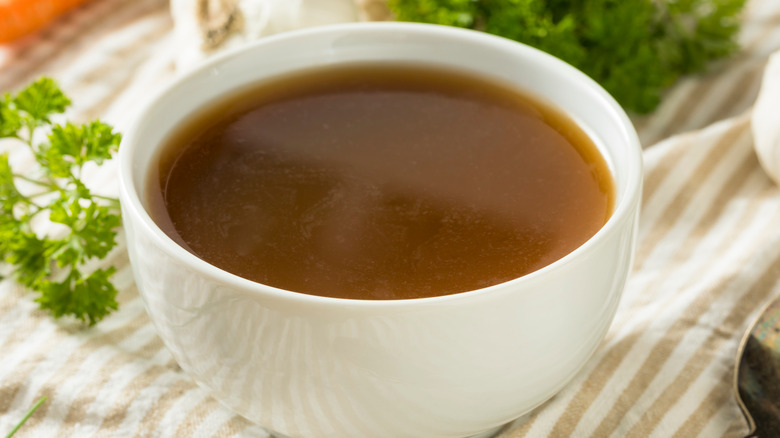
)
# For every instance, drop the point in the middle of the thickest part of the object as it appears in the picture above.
(380, 181)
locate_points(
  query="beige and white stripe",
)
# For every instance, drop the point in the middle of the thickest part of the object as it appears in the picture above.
(708, 259)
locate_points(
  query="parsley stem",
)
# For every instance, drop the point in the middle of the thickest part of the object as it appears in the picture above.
(40, 194)
(55, 188)
(38, 209)
(48, 185)
(114, 201)
(26, 416)
(30, 132)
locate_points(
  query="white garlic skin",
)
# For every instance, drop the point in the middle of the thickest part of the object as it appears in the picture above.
(260, 18)
(765, 120)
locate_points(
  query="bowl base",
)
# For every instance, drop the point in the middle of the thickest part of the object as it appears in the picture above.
(489, 433)
(486, 434)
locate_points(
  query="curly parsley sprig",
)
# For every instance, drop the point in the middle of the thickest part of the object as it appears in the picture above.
(634, 48)
(53, 264)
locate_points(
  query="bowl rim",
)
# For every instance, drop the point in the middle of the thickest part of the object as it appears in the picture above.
(626, 205)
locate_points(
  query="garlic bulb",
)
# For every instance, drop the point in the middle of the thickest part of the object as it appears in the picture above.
(765, 121)
(202, 27)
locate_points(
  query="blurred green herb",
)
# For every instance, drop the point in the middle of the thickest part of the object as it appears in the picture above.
(27, 416)
(53, 265)
(634, 48)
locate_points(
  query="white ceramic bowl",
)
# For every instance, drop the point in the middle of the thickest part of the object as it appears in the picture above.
(449, 366)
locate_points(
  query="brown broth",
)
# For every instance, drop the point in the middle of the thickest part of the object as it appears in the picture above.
(380, 181)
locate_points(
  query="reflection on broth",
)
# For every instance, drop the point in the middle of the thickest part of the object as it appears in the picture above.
(380, 182)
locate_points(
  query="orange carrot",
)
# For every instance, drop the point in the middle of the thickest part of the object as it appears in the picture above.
(23, 17)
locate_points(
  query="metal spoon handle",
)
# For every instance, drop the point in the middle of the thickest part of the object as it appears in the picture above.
(757, 376)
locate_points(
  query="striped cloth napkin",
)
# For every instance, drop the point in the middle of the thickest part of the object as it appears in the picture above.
(708, 259)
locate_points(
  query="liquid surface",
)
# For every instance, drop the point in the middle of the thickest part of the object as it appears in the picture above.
(380, 182)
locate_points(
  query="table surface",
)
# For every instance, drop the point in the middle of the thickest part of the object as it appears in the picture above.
(708, 259)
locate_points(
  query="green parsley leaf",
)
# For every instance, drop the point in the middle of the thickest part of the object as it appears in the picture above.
(76, 144)
(10, 120)
(40, 100)
(9, 195)
(88, 298)
(460, 13)
(92, 231)
(635, 49)
(54, 265)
